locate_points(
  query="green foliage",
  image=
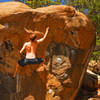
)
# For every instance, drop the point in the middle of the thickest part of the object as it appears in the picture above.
(41, 3)
(96, 53)
(98, 42)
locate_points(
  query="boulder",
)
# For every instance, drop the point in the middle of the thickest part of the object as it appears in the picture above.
(66, 50)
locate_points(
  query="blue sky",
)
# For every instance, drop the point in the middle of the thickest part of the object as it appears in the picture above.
(5, 0)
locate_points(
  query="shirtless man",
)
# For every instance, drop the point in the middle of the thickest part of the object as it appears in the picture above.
(30, 48)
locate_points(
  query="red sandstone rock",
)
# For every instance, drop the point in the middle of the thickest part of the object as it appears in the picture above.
(67, 48)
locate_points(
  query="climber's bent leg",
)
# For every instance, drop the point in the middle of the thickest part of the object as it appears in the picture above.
(41, 66)
(16, 69)
(21, 63)
(25, 61)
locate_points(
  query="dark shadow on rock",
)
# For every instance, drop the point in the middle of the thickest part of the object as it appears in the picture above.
(7, 87)
(89, 87)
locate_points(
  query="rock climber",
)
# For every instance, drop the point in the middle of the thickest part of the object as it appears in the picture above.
(30, 50)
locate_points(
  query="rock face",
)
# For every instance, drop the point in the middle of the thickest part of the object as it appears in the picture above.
(66, 50)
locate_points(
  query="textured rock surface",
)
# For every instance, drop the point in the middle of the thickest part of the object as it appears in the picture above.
(94, 66)
(90, 89)
(67, 48)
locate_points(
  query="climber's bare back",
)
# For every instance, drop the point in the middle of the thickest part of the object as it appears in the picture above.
(30, 48)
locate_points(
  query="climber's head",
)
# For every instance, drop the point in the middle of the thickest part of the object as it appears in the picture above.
(35, 35)
(32, 37)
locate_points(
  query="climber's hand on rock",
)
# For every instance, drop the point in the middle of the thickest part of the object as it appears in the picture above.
(47, 29)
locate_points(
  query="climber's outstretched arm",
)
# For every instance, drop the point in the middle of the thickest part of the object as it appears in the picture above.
(23, 48)
(42, 39)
